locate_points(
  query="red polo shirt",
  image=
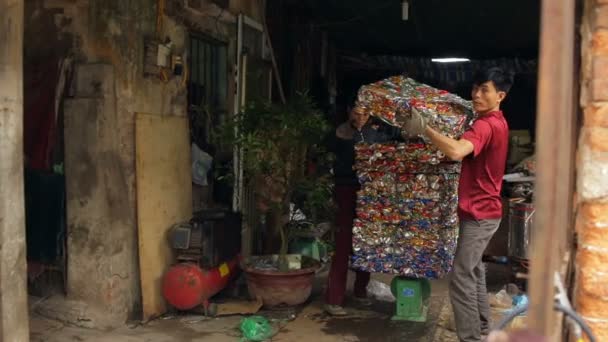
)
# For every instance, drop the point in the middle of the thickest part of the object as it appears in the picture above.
(483, 170)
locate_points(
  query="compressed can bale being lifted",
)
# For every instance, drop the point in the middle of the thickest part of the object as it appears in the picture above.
(407, 221)
(392, 99)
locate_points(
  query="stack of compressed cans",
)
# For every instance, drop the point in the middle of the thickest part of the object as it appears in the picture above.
(407, 221)
(392, 99)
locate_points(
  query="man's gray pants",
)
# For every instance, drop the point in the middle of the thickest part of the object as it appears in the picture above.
(468, 292)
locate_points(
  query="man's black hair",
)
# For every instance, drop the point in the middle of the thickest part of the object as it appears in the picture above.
(502, 80)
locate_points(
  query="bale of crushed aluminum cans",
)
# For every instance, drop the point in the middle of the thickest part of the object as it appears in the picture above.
(392, 99)
(407, 222)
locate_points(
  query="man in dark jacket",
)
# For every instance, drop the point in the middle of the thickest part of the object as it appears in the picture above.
(358, 129)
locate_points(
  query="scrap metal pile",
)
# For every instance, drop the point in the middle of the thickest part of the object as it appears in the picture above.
(407, 222)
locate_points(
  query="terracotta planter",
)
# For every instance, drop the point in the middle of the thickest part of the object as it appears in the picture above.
(276, 288)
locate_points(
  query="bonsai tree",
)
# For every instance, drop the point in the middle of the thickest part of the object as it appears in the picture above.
(278, 142)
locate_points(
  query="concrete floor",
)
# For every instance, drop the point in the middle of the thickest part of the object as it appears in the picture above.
(311, 324)
(306, 323)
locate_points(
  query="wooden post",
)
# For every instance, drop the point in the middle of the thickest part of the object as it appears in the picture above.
(554, 158)
(14, 319)
(275, 68)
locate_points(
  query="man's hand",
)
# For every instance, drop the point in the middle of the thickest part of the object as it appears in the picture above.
(345, 131)
(454, 149)
(415, 124)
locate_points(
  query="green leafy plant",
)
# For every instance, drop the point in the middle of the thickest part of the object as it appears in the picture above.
(278, 142)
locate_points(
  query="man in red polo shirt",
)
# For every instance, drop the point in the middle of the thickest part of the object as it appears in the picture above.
(483, 152)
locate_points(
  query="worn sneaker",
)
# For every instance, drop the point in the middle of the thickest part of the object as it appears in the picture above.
(364, 301)
(335, 310)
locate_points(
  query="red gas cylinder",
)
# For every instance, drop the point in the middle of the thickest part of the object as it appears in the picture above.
(183, 286)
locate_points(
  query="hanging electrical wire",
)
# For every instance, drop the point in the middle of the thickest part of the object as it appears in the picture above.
(185, 73)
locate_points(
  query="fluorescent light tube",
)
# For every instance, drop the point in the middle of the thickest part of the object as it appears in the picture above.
(450, 60)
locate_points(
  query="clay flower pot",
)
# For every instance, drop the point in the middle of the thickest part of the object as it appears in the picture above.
(276, 288)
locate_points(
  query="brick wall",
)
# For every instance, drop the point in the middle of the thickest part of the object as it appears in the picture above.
(591, 291)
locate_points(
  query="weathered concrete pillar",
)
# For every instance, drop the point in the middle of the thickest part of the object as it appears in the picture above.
(14, 319)
(101, 242)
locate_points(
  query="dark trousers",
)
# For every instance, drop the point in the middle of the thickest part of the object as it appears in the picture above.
(346, 198)
(468, 292)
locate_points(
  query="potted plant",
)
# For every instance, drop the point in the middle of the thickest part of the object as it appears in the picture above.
(277, 141)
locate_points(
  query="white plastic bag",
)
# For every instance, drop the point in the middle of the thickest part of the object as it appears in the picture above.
(501, 300)
(201, 164)
(380, 291)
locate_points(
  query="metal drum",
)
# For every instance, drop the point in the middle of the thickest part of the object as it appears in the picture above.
(521, 227)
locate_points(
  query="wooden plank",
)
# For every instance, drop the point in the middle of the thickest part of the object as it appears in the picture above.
(554, 160)
(13, 295)
(164, 198)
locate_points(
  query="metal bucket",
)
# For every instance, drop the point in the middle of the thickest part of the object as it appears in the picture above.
(521, 227)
